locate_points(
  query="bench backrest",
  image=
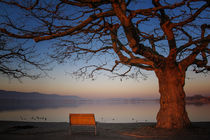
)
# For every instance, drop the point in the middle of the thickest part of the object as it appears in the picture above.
(82, 119)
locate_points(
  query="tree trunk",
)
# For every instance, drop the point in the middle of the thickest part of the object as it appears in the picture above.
(172, 113)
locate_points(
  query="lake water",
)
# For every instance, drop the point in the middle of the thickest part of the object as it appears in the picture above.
(112, 111)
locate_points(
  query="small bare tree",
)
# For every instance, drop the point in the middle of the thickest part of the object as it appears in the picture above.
(163, 36)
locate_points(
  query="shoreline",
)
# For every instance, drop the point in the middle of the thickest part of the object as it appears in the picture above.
(18, 130)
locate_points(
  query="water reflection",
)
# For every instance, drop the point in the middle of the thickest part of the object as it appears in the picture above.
(112, 111)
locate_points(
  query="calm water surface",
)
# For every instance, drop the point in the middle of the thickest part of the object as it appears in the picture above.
(114, 111)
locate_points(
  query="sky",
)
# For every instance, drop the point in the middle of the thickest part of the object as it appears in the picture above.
(103, 87)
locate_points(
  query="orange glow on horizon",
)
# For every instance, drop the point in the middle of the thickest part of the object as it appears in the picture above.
(102, 88)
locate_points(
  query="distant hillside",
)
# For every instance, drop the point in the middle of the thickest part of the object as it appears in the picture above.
(198, 99)
(34, 96)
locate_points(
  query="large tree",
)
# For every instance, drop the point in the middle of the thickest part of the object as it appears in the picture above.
(166, 37)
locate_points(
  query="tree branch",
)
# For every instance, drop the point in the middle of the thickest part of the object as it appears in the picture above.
(76, 28)
(191, 59)
(21, 6)
(192, 17)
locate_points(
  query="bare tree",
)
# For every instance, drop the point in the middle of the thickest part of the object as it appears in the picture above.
(166, 37)
(17, 61)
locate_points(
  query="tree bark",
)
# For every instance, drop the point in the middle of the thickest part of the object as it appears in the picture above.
(172, 113)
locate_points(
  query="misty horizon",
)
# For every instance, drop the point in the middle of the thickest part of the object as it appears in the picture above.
(54, 95)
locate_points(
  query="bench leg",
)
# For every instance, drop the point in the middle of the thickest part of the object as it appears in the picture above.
(70, 130)
(95, 130)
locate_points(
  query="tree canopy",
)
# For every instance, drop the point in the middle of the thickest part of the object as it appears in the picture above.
(18, 60)
(142, 34)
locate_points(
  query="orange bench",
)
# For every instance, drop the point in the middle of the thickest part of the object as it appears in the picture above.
(82, 120)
